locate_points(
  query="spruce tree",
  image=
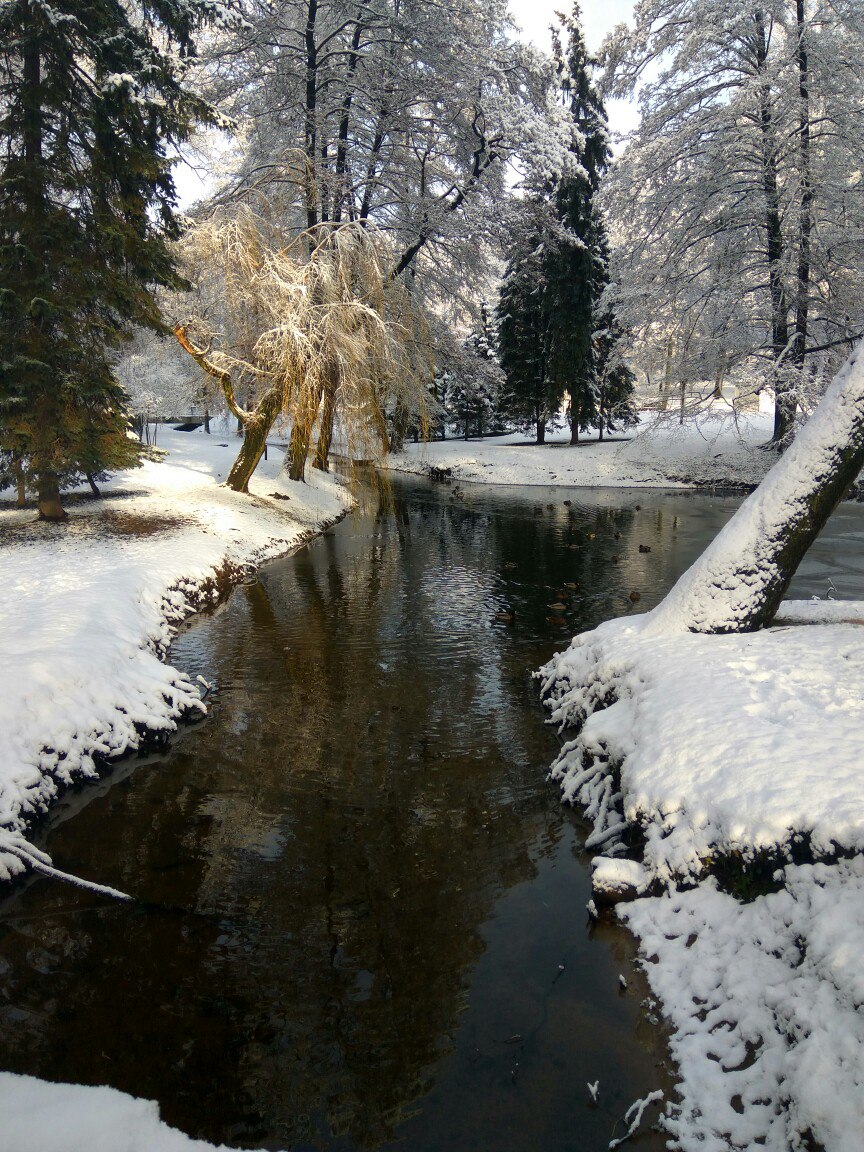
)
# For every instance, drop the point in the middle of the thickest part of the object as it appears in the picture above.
(575, 263)
(530, 396)
(91, 99)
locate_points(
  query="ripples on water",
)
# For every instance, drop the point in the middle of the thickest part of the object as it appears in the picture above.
(362, 920)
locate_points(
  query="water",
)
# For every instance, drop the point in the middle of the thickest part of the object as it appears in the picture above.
(361, 919)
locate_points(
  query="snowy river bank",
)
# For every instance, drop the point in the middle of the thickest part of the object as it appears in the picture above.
(353, 896)
(90, 607)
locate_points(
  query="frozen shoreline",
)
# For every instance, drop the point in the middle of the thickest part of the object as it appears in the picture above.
(712, 450)
(729, 752)
(92, 605)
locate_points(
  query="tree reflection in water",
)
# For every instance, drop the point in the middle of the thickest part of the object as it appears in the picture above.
(359, 886)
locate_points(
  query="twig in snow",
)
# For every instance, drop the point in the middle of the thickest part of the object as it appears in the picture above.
(636, 1110)
(41, 862)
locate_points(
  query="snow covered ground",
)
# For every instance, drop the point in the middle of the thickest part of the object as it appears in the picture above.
(89, 607)
(42, 1117)
(713, 449)
(745, 748)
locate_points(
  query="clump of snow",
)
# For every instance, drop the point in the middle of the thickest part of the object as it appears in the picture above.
(715, 448)
(42, 1117)
(613, 880)
(89, 608)
(766, 1001)
(709, 743)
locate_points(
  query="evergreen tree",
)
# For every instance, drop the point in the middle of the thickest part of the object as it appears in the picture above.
(530, 396)
(91, 98)
(557, 337)
(576, 262)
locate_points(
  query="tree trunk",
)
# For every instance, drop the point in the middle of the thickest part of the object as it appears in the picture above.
(207, 420)
(541, 430)
(298, 450)
(256, 429)
(739, 581)
(784, 405)
(805, 210)
(328, 415)
(48, 489)
(91, 480)
(20, 483)
(666, 389)
(573, 418)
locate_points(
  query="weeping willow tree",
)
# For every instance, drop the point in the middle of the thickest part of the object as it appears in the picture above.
(314, 328)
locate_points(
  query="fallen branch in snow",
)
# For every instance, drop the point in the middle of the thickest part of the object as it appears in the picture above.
(738, 582)
(39, 861)
(636, 1110)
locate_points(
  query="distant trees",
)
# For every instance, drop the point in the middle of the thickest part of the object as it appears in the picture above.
(90, 100)
(739, 199)
(393, 113)
(557, 336)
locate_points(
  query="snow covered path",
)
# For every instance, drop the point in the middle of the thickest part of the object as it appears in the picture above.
(89, 607)
(713, 449)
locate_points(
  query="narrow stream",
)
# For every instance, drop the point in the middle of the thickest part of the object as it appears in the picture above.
(362, 906)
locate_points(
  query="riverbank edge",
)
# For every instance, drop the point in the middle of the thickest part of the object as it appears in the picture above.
(736, 949)
(177, 701)
(721, 485)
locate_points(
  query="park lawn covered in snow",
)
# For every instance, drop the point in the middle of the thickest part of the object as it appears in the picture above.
(90, 606)
(39, 1116)
(713, 449)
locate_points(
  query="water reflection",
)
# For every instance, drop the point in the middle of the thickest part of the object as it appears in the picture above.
(362, 905)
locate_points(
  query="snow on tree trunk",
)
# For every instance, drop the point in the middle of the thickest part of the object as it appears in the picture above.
(740, 579)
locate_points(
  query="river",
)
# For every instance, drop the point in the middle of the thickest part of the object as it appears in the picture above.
(361, 907)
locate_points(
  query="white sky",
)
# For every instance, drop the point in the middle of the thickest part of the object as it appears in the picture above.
(598, 17)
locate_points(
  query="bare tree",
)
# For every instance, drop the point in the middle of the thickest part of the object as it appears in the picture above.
(284, 324)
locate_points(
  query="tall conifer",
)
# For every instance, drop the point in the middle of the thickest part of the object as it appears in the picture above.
(91, 100)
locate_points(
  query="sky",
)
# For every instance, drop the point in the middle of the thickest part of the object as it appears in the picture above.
(598, 17)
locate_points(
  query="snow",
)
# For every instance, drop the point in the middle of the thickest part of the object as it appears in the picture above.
(739, 748)
(732, 746)
(715, 448)
(39, 1116)
(89, 607)
(765, 1001)
(729, 744)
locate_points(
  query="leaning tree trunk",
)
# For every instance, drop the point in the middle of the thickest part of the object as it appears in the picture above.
(740, 579)
(48, 493)
(256, 428)
(255, 424)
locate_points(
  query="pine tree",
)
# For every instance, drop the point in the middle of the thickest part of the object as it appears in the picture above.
(575, 263)
(557, 336)
(91, 96)
(521, 317)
